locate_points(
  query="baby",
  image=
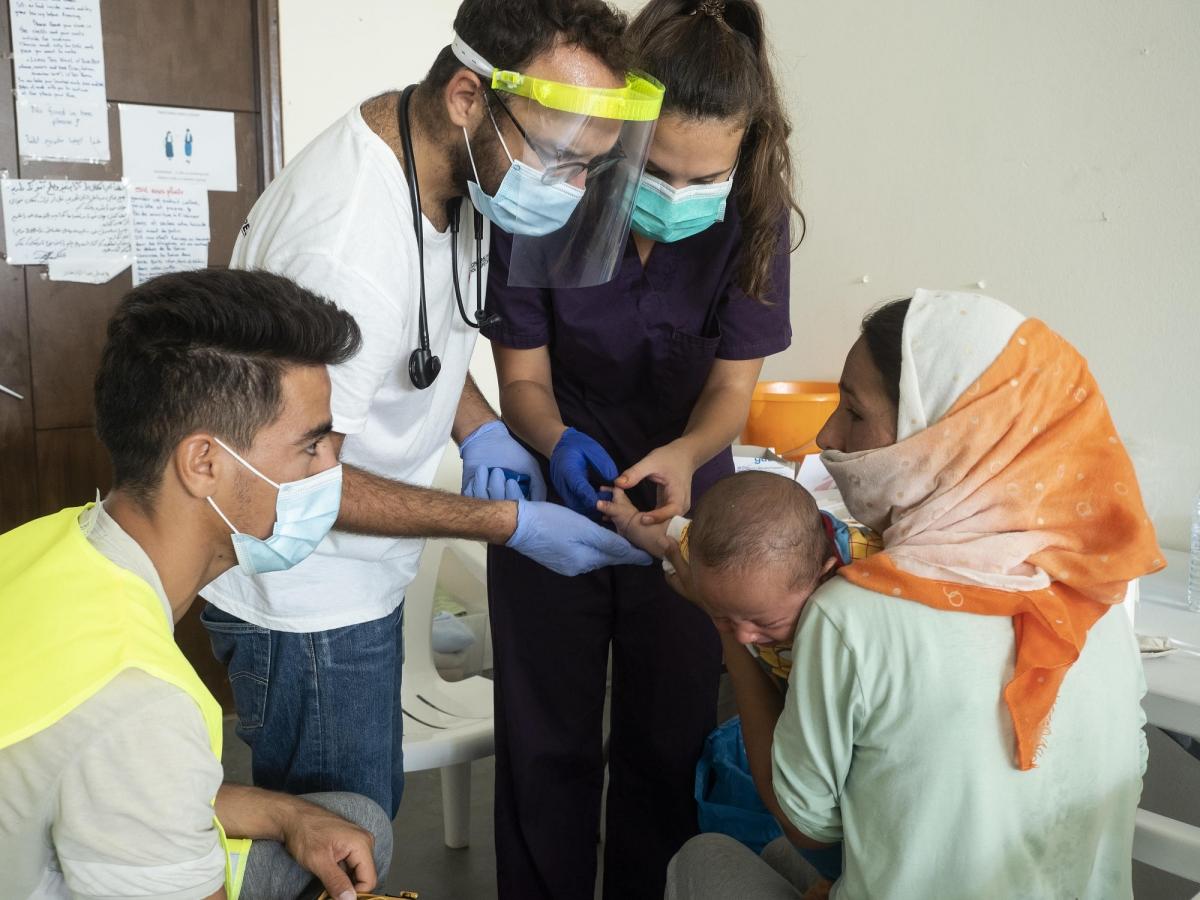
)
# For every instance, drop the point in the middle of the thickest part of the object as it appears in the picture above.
(758, 547)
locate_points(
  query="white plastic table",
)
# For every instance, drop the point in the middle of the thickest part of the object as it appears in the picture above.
(1173, 681)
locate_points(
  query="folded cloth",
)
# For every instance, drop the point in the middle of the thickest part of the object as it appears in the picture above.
(1017, 500)
(1151, 645)
(1160, 645)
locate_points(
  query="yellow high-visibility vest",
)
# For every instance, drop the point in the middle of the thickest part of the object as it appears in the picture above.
(71, 620)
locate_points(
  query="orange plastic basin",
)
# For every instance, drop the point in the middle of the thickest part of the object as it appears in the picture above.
(787, 416)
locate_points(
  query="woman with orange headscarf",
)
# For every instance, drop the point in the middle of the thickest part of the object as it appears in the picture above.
(964, 709)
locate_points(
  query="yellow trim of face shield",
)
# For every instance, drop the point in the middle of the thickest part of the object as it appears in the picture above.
(639, 101)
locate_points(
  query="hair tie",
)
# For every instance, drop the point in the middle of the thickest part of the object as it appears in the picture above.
(714, 8)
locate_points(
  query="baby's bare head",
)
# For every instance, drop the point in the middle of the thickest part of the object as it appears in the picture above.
(758, 549)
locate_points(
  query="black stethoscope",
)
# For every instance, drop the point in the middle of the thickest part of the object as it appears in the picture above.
(423, 366)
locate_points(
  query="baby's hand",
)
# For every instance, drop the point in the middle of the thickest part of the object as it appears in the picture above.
(627, 519)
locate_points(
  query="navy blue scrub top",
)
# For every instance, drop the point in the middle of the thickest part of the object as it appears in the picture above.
(630, 358)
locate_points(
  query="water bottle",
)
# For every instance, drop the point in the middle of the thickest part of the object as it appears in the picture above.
(1193, 583)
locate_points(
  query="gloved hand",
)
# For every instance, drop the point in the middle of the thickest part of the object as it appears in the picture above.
(566, 542)
(573, 455)
(491, 448)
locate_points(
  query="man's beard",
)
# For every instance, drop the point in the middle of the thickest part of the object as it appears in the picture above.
(490, 159)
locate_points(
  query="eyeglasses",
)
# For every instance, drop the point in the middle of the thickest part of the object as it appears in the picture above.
(554, 171)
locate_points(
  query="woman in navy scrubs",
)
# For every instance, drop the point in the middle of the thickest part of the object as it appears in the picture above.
(649, 375)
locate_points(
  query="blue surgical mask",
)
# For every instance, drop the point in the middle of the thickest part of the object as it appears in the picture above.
(523, 204)
(663, 213)
(305, 510)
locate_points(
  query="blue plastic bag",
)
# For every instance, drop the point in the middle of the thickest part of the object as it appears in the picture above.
(726, 799)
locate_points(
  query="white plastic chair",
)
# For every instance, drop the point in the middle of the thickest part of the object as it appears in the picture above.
(1167, 844)
(1160, 841)
(447, 724)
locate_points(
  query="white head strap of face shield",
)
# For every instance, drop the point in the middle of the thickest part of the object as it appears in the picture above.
(480, 66)
(471, 59)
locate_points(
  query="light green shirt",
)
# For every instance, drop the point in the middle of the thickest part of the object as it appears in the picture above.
(895, 738)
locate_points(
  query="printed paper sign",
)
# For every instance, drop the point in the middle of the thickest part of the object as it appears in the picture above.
(58, 66)
(46, 220)
(178, 146)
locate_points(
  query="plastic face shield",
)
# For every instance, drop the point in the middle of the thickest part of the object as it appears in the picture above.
(592, 138)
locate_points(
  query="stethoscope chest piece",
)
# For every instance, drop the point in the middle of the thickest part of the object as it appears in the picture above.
(423, 368)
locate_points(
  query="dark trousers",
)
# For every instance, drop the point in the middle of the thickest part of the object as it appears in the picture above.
(552, 636)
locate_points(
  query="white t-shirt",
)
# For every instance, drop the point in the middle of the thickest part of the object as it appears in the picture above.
(895, 738)
(115, 798)
(338, 220)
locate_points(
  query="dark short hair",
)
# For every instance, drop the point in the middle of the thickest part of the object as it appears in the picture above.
(509, 33)
(883, 330)
(755, 519)
(205, 350)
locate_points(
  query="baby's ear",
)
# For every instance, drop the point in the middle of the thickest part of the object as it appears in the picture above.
(827, 567)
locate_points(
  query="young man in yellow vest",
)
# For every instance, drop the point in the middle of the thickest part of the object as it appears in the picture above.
(213, 401)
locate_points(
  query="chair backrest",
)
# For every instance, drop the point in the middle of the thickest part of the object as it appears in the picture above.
(418, 612)
(1166, 843)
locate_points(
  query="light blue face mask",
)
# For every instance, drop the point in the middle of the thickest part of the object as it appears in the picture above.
(523, 204)
(663, 213)
(305, 510)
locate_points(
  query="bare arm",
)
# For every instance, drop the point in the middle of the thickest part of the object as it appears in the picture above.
(372, 504)
(720, 412)
(473, 411)
(527, 396)
(759, 704)
(248, 812)
(337, 851)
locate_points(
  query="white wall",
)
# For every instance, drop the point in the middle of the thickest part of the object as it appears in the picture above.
(333, 55)
(1050, 150)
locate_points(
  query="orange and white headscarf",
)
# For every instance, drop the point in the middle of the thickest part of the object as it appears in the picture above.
(1007, 493)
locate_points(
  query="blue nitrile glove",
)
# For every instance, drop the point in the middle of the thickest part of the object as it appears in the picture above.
(490, 447)
(498, 484)
(574, 454)
(568, 543)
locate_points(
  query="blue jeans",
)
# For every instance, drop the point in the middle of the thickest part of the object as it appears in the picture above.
(320, 710)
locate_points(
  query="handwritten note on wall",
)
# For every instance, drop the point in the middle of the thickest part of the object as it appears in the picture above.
(47, 220)
(170, 229)
(58, 62)
(86, 270)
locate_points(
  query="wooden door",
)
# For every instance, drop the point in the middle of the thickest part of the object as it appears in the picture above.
(206, 54)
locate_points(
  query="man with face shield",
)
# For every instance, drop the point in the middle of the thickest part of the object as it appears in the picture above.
(567, 194)
(212, 400)
(530, 114)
